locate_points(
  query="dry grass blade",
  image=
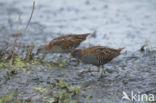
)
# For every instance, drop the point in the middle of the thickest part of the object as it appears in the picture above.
(30, 54)
(30, 17)
(17, 27)
(15, 40)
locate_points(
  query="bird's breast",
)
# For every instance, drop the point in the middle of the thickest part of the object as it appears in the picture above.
(59, 49)
(90, 59)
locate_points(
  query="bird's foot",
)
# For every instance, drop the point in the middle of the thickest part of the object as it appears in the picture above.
(102, 75)
(88, 71)
(84, 72)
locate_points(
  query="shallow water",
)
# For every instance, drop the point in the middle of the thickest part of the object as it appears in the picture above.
(117, 23)
(122, 23)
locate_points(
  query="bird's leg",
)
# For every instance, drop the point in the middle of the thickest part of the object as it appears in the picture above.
(89, 71)
(103, 69)
(102, 73)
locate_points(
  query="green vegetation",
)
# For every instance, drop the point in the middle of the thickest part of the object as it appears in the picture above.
(59, 63)
(62, 92)
(6, 99)
(10, 98)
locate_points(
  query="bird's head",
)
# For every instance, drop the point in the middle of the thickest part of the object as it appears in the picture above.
(43, 49)
(76, 53)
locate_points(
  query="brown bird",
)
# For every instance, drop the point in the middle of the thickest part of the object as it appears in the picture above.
(63, 44)
(96, 55)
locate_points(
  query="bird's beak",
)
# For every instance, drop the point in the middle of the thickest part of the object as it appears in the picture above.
(38, 52)
(78, 60)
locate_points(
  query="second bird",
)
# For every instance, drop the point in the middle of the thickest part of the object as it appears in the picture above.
(63, 44)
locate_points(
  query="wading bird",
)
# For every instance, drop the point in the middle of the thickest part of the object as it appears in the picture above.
(63, 44)
(96, 55)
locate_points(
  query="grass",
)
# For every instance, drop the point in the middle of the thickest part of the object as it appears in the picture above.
(62, 92)
(6, 99)
(11, 98)
(114, 95)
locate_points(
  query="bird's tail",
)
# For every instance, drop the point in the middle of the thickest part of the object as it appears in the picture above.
(120, 49)
(85, 34)
(81, 37)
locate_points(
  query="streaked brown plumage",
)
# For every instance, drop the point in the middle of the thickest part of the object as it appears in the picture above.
(63, 44)
(96, 55)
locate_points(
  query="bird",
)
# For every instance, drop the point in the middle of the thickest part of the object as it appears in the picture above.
(63, 44)
(96, 55)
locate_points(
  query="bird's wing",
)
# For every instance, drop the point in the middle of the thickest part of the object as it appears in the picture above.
(64, 37)
(61, 38)
(67, 44)
(80, 37)
(103, 52)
